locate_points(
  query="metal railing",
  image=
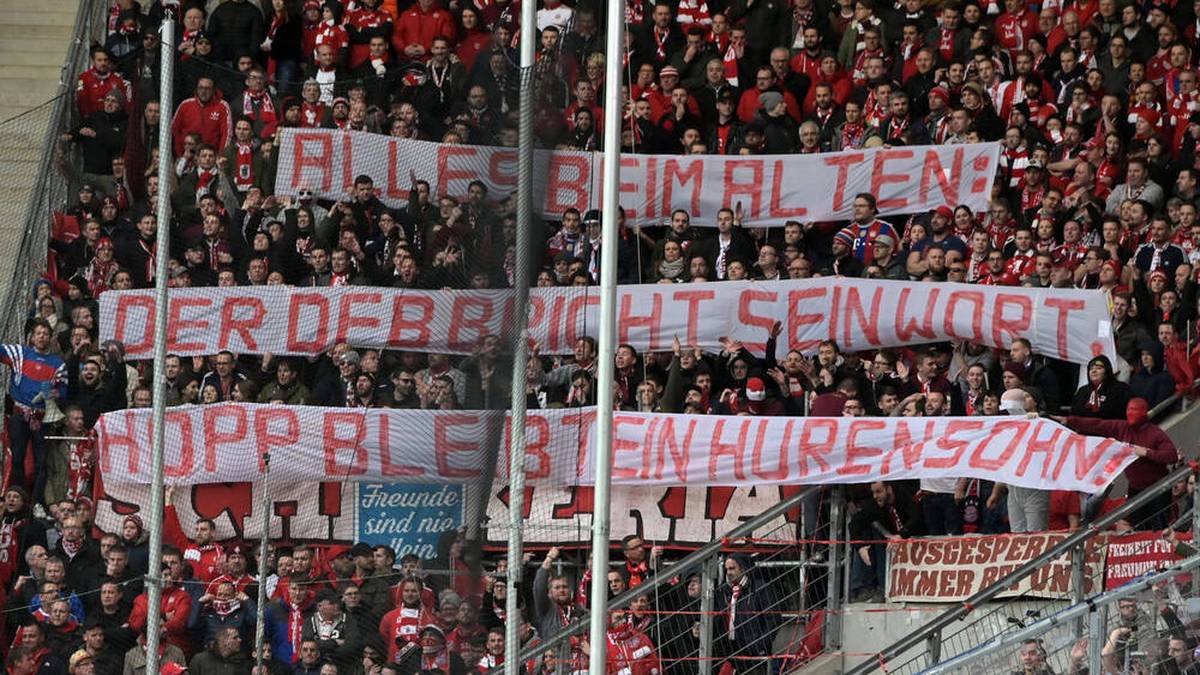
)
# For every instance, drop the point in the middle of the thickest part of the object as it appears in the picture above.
(932, 634)
(799, 587)
(55, 174)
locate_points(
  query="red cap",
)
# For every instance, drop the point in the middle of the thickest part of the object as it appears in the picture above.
(755, 389)
(945, 211)
(171, 668)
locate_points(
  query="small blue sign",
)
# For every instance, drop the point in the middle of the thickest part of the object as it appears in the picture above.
(409, 518)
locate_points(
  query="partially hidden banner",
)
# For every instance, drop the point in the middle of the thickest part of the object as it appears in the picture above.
(412, 518)
(954, 569)
(860, 314)
(1132, 555)
(226, 442)
(771, 188)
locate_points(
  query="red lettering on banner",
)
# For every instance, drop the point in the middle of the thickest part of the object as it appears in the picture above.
(977, 459)
(651, 184)
(347, 320)
(672, 175)
(176, 323)
(214, 437)
(242, 326)
(1013, 327)
(957, 447)
(669, 446)
(648, 448)
(907, 327)
(581, 426)
(630, 166)
(746, 316)
(187, 451)
(557, 182)
(444, 447)
(386, 467)
(949, 326)
(717, 448)
(575, 320)
(932, 170)
(112, 440)
(1114, 463)
(537, 438)
(855, 451)
(334, 443)
(502, 176)
(797, 321)
(652, 323)
(983, 173)
(816, 450)
(693, 299)
(868, 321)
(1064, 308)
(393, 190)
(145, 341)
(752, 189)
(842, 162)
(322, 161)
(1075, 447)
(779, 473)
(264, 431)
(447, 175)
(902, 443)
(1038, 446)
(460, 322)
(347, 163)
(776, 209)
(400, 321)
(879, 178)
(320, 341)
(835, 311)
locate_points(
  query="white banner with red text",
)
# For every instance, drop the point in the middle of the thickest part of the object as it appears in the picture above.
(860, 314)
(955, 568)
(226, 442)
(409, 518)
(772, 189)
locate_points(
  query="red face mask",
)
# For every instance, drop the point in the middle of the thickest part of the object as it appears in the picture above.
(1136, 411)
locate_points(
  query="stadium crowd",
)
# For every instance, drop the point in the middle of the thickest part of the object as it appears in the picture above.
(1094, 103)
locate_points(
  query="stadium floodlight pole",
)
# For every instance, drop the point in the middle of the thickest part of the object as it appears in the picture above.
(520, 361)
(162, 247)
(605, 367)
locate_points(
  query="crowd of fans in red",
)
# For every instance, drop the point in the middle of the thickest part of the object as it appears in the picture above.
(1094, 103)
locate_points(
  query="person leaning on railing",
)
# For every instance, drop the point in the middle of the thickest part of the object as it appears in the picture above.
(890, 514)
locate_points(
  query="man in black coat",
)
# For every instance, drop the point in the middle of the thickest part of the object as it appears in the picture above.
(749, 614)
(890, 514)
(240, 25)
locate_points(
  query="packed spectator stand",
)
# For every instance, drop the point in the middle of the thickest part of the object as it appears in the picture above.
(1094, 105)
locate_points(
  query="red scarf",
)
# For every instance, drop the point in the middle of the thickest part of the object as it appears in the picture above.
(262, 101)
(243, 176)
(408, 625)
(730, 61)
(79, 469)
(10, 550)
(439, 661)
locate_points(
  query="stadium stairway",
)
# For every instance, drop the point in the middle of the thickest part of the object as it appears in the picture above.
(35, 38)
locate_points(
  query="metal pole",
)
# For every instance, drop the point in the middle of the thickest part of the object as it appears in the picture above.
(1078, 554)
(708, 591)
(1005, 640)
(516, 449)
(607, 344)
(948, 617)
(259, 619)
(833, 591)
(1096, 633)
(162, 253)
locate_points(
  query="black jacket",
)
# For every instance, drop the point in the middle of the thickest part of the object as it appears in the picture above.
(108, 142)
(240, 26)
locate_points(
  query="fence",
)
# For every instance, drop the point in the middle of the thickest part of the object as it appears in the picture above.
(49, 176)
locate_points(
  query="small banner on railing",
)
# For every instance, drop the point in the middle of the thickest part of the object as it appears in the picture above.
(1132, 555)
(859, 314)
(952, 569)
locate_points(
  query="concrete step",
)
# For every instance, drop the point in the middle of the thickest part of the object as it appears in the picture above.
(52, 48)
(41, 72)
(44, 59)
(11, 30)
(27, 17)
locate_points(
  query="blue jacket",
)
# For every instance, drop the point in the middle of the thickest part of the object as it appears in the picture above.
(33, 375)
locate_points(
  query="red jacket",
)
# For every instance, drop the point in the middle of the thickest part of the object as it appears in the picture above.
(1144, 471)
(92, 87)
(402, 625)
(203, 559)
(211, 120)
(630, 652)
(419, 27)
(176, 607)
